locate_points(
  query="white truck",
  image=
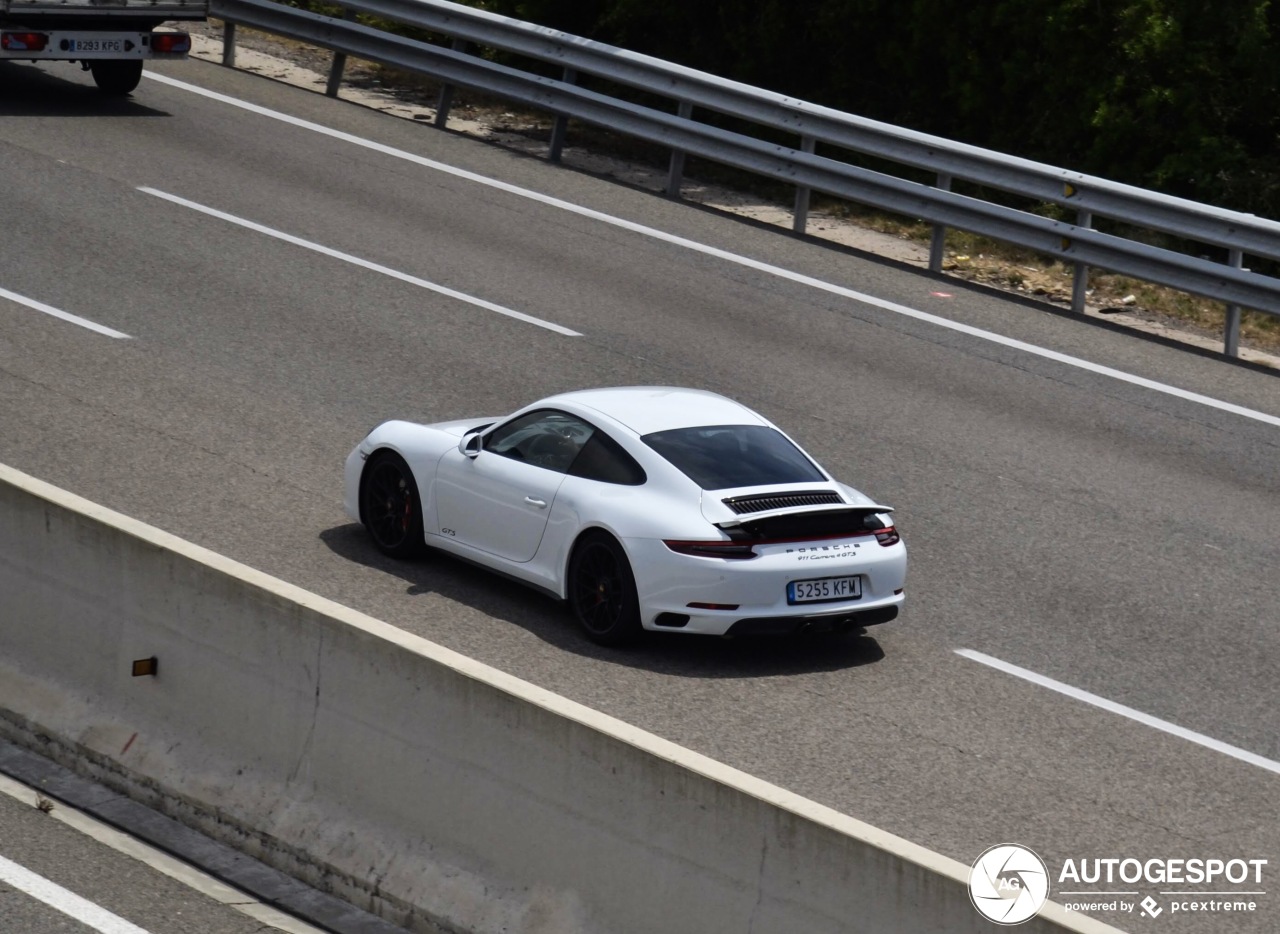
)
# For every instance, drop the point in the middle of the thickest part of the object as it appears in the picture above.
(110, 38)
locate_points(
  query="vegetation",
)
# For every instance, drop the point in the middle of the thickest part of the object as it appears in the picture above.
(1176, 95)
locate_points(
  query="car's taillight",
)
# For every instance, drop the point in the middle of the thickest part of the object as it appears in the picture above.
(175, 42)
(717, 549)
(888, 536)
(24, 41)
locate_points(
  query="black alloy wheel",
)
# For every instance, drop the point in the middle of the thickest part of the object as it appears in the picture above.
(602, 590)
(389, 506)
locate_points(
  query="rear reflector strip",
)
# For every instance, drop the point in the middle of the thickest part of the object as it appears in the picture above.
(745, 547)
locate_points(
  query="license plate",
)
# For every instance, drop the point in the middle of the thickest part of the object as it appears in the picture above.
(97, 45)
(823, 589)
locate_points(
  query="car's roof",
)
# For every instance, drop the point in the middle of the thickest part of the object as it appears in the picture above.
(645, 409)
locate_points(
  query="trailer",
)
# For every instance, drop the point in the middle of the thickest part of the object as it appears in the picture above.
(109, 38)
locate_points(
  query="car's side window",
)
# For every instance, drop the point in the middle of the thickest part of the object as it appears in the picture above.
(545, 438)
(603, 459)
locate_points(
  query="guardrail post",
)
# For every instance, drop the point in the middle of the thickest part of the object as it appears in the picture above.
(1231, 336)
(339, 63)
(938, 242)
(446, 92)
(675, 174)
(1080, 275)
(561, 126)
(229, 44)
(801, 219)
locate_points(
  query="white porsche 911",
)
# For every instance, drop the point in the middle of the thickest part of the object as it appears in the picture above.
(641, 507)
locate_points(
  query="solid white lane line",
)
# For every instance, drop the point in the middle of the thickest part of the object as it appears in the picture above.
(171, 866)
(64, 315)
(1111, 706)
(363, 263)
(69, 903)
(725, 255)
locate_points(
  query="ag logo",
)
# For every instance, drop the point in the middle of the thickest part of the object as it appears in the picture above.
(1008, 884)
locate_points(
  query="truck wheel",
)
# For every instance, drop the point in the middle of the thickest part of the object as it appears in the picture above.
(116, 78)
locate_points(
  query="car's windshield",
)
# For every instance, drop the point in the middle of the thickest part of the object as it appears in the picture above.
(720, 457)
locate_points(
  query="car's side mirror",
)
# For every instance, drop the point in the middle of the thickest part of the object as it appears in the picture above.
(470, 444)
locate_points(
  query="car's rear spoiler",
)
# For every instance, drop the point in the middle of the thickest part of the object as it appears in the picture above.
(806, 521)
(865, 508)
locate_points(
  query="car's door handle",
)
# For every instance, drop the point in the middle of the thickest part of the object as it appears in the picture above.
(540, 503)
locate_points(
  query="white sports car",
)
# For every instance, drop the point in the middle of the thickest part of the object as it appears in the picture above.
(641, 507)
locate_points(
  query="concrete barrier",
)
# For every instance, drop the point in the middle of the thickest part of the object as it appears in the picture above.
(415, 782)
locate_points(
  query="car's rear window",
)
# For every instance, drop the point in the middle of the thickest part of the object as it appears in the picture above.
(719, 457)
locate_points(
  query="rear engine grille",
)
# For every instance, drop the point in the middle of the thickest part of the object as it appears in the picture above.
(759, 502)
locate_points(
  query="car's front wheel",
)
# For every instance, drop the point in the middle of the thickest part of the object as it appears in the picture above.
(390, 507)
(602, 590)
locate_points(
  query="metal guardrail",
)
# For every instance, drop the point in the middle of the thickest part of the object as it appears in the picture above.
(1077, 243)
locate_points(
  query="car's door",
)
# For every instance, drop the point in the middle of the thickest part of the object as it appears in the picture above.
(497, 498)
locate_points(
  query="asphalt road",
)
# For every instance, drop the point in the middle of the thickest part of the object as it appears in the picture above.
(56, 878)
(1116, 537)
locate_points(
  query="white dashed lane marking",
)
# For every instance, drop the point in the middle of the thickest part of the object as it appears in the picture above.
(1163, 726)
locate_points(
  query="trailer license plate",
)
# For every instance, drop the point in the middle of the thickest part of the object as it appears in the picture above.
(826, 588)
(97, 45)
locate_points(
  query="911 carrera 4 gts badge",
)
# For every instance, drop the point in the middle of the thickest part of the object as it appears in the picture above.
(821, 552)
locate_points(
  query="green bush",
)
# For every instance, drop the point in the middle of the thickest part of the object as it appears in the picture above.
(1176, 95)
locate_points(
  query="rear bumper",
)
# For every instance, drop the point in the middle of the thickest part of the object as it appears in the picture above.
(795, 625)
(88, 44)
(719, 596)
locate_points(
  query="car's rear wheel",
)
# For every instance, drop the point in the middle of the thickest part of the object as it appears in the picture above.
(602, 590)
(390, 507)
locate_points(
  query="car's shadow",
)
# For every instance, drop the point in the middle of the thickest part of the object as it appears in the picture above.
(672, 654)
(28, 91)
